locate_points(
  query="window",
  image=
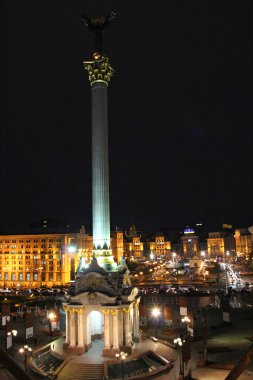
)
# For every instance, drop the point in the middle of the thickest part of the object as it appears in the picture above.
(21, 241)
(43, 240)
(28, 241)
(13, 277)
(6, 277)
(35, 276)
(35, 241)
(20, 277)
(28, 276)
(13, 241)
(51, 240)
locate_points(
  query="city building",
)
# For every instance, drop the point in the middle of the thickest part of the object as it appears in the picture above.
(243, 243)
(219, 243)
(133, 246)
(35, 259)
(189, 242)
(158, 247)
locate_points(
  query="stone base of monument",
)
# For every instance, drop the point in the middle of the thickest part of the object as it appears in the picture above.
(76, 350)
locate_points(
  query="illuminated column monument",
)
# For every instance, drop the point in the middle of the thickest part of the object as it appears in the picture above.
(100, 73)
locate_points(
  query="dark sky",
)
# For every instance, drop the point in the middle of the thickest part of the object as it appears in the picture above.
(180, 112)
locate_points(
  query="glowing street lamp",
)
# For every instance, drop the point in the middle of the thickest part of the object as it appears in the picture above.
(25, 350)
(9, 336)
(156, 313)
(51, 317)
(178, 342)
(122, 356)
(186, 320)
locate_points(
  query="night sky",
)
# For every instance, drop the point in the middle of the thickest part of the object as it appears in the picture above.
(180, 112)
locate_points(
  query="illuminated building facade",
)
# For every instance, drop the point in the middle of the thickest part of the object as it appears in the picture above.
(159, 246)
(34, 260)
(117, 244)
(219, 243)
(243, 243)
(215, 244)
(134, 248)
(189, 242)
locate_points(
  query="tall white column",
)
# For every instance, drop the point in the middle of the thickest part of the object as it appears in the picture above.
(100, 167)
(128, 337)
(80, 328)
(72, 329)
(67, 326)
(136, 323)
(115, 330)
(106, 328)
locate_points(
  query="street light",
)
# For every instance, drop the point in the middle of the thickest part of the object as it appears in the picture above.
(186, 320)
(226, 272)
(51, 317)
(25, 350)
(156, 313)
(178, 342)
(122, 356)
(9, 335)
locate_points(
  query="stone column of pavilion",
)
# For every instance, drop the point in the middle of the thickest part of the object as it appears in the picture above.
(100, 73)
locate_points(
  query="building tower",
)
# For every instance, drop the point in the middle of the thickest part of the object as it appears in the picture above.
(100, 73)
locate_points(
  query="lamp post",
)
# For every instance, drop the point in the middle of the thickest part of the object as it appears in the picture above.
(9, 335)
(226, 272)
(122, 356)
(156, 313)
(178, 342)
(25, 350)
(51, 317)
(185, 320)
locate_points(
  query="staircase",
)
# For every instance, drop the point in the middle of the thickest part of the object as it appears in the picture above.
(78, 371)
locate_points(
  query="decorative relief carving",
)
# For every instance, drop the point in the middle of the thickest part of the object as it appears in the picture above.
(99, 70)
(93, 281)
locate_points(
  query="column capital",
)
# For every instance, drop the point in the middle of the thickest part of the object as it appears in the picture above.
(99, 69)
(106, 311)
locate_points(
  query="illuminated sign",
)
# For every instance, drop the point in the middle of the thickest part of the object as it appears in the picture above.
(188, 231)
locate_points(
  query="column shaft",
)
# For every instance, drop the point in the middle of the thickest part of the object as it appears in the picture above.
(80, 330)
(107, 330)
(100, 167)
(67, 327)
(115, 332)
(72, 329)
